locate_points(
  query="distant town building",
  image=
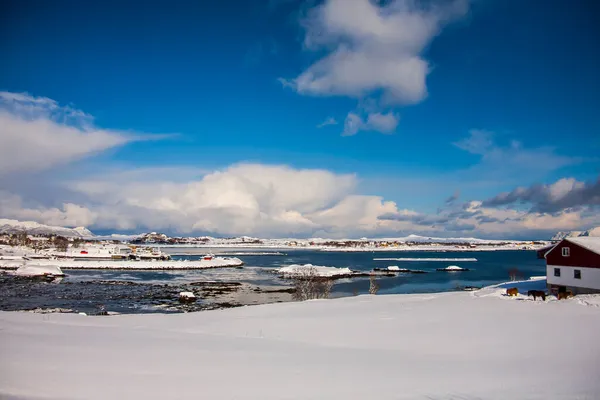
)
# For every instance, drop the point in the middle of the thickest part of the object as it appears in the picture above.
(574, 264)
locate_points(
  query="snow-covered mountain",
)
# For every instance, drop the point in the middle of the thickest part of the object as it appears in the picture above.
(35, 228)
(590, 232)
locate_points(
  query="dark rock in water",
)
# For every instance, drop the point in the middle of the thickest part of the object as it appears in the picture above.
(212, 284)
(283, 290)
(400, 271)
(452, 270)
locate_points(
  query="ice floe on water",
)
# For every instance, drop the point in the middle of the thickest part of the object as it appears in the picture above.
(38, 271)
(306, 270)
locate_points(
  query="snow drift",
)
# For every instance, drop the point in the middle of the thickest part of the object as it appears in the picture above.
(428, 346)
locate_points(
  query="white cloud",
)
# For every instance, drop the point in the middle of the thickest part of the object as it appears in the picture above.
(384, 123)
(327, 122)
(11, 206)
(372, 47)
(563, 194)
(36, 133)
(276, 201)
(241, 199)
(503, 163)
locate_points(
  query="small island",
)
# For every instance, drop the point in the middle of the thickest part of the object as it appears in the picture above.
(452, 268)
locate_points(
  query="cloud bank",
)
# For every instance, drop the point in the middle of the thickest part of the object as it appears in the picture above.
(37, 134)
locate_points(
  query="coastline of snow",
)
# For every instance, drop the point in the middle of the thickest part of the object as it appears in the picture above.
(216, 262)
(425, 344)
(309, 270)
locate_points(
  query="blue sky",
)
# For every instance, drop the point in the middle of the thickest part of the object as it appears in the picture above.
(221, 83)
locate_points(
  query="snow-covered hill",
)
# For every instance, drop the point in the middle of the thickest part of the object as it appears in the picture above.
(590, 232)
(35, 228)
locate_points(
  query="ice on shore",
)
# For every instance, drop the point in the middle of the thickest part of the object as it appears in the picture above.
(296, 270)
(38, 270)
(216, 262)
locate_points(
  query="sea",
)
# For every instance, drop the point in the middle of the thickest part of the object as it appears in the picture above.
(490, 267)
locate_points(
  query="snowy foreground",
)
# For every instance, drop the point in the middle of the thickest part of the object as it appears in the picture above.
(441, 346)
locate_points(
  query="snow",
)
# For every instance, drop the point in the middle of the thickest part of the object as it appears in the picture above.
(38, 270)
(594, 232)
(427, 346)
(453, 268)
(187, 295)
(13, 225)
(588, 242)
(316, 270)
(217, 262)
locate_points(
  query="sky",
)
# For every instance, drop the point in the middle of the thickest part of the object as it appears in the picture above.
(284, 118)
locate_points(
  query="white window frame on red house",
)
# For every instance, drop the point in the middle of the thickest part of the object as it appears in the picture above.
(566, 251)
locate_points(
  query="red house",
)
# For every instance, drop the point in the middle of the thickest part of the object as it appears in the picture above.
(574, 264)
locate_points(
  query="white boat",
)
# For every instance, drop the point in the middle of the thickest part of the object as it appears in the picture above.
(149, 253)
(99, 252)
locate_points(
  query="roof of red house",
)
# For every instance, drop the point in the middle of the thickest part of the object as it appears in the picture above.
(589, 242)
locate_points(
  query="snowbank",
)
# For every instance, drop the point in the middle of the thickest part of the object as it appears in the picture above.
(306, 270)
(217, 262)
(38, 270)
(429, 346)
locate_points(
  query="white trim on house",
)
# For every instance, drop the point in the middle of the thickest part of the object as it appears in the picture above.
(590, 277)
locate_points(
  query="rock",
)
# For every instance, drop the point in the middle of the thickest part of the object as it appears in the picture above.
(187, 297)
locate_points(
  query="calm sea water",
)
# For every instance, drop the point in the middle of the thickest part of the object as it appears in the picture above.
(490, 268)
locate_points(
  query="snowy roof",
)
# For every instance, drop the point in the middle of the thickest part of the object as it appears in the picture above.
(588, 242)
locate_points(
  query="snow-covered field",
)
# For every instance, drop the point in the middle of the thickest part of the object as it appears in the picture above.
(435, 346)
(217, 262)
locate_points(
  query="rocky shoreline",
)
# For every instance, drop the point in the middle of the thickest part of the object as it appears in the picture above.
(106, 297)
